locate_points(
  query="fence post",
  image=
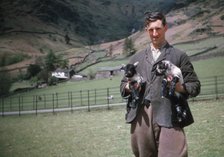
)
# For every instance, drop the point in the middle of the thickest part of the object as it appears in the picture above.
(36, 104)
(68, 99)
(71, 102)
(19, 105)
(53, 101)
(88, 102)
(216, 88)
(10, 101)
(22, 102)
(2, 106)
(56, 94)
(95, 96)
(81, 96)
(44, 101)
(108, 99)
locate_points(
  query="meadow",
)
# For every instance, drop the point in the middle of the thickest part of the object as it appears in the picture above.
(204, 68)
(101, 133)
(72, 94)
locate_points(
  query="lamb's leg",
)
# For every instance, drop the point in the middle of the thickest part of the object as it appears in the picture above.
(135, 98)
(173, 86)
(164, 88)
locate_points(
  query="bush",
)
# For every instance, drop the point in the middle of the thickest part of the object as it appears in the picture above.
(7, 59)
(128, 48)
(91, 74)
(222, 17)
(52, 81)
(5, 84)
(33, 70)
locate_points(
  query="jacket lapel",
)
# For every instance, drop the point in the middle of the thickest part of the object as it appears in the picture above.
(148, 56)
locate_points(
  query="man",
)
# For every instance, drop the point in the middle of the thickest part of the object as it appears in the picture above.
(155, 130)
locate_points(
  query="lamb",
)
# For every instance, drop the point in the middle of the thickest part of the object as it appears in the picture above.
(171, 72)
(133, 77)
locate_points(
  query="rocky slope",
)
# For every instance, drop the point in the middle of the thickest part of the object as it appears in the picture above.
(36, 27)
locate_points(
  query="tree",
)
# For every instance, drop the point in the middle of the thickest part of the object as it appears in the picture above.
(67, 39)
(110, 51)
(43, 76)
(51, 61)
(33, 70)
(128, 48)
(6, 82)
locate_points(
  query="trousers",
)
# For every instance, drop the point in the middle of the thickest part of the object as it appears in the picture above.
(152, 140)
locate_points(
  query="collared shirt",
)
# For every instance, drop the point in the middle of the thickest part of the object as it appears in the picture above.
(156, 52)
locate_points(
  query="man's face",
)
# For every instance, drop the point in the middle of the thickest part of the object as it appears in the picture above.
(156, 31)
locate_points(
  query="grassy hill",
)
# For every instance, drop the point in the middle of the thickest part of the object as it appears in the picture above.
(30, 29)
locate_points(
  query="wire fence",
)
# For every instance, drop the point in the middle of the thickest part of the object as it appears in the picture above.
(211, 88)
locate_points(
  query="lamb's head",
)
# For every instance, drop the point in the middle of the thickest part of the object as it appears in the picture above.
(168, 69)
(162, 67)
(129, 69)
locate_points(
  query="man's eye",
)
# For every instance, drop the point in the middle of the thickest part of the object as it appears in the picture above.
(155, 29)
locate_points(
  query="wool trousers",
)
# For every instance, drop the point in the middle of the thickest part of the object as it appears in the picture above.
(152, 140)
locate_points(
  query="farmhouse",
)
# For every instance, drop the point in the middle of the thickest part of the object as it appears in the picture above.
(108, 72)
(63, 73)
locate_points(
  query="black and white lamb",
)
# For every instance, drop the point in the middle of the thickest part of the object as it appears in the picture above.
(133, 77)
(171, 72)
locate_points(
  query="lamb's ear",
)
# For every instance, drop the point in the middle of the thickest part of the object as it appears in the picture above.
(123, 66)
(136, 63)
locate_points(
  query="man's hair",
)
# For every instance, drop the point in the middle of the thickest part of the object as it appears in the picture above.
(153, 16)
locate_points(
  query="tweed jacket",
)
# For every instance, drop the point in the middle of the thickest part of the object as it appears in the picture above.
(161, 107)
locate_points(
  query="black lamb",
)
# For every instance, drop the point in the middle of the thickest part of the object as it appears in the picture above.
(132, 77)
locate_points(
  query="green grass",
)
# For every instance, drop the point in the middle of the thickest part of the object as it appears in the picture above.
(78, 85)
(112, 63)
(101, 133)
(209, 67)
(204, 68)
(194, 47)
(205, 136)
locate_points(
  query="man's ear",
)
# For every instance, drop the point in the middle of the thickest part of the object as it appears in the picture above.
(166, 27)
(123, 67)
(136, 63)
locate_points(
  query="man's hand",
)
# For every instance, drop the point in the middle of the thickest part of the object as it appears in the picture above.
(180, 88)
(130, 85)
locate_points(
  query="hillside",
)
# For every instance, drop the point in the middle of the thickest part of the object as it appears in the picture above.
(199, 20)
(30, 29)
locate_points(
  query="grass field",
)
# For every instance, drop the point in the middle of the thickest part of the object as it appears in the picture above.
(193, 48)
(101, 133)
(204, 68)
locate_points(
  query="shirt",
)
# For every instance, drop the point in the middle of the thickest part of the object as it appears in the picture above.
(156, 52)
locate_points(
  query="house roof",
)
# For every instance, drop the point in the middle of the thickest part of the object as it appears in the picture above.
(116, 68)
(63, 70)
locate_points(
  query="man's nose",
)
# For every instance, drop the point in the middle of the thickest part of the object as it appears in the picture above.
(154, 33)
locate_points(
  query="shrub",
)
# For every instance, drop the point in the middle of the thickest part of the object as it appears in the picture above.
(52, 81)
(128, 48)
(8, 59)
(5, 84)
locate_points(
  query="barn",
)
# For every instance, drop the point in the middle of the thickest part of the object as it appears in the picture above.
(63, 73)
(108, 72)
